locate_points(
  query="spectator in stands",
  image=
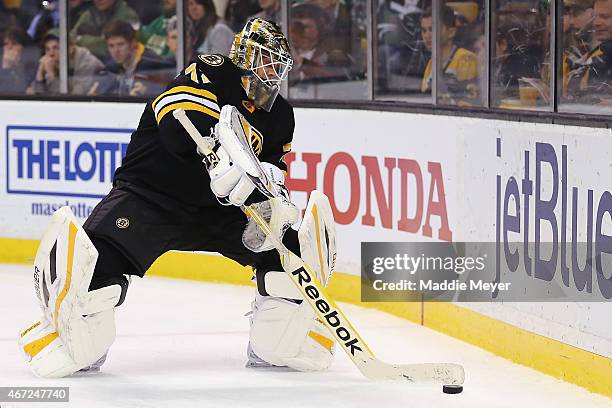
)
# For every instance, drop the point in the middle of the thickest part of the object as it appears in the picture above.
(154, 35)
(172, 44)
(479, 47)
(47, 74)
(75, 9)
(172, 39)
(133, 69)
(208, 34)
(583, 53)
(313, 56)
(459, 82)
(515, 57)
(88, 29)
(580, 16)
(390, 39)
(270, 11)
(338, 14)
(17, 13)
(147, 10)
(402, 56)
(343, 32)
(597, 79)
(579, 45)
(17, 66)
(7, 18)
(44, 20)
(238, 12)
(82, 64)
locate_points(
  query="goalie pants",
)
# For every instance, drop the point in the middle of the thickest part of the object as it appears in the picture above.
(132, 226)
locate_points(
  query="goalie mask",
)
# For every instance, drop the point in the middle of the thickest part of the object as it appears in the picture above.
(262, 50)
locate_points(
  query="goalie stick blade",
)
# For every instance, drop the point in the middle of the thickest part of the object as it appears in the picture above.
(423, 373)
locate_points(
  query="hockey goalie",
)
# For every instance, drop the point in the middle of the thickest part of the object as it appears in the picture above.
(167, 195)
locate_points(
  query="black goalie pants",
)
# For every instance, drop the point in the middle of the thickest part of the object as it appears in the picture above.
(131, 227)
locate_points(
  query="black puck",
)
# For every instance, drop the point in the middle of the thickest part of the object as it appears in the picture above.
(452, 389)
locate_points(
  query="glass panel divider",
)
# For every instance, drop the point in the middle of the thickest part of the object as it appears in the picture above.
(63, 46)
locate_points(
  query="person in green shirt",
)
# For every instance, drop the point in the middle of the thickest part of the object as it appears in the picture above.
(153, 35)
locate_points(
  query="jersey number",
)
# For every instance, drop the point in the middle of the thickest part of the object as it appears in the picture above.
(193, 75)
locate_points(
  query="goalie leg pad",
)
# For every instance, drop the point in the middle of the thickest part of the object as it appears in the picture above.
(317, 237)
(285, 332)
(77, 326)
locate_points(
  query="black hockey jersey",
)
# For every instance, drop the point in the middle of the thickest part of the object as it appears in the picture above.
(162, 157)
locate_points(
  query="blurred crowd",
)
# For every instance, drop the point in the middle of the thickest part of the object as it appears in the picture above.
(128, 47)
(405, 43)
(520, 55)
(115, 47)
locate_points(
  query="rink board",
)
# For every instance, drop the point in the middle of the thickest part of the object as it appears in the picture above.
(67, 153)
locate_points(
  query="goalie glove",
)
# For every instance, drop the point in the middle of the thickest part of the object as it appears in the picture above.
(231, 184)
(279, 212)
(235, 171)
(228, 182)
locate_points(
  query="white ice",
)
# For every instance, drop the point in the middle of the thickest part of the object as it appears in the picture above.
(182, 344)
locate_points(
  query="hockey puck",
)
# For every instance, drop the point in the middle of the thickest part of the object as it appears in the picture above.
(452, 389)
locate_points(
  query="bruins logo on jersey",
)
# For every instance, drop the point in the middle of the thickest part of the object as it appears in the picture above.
(212, 60)
(255, 136)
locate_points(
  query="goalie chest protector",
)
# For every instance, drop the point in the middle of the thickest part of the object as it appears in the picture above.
(161, 157)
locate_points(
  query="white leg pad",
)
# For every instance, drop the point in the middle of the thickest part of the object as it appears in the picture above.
(77, 326)
(286, 334)
(317, 236)
(50, 356)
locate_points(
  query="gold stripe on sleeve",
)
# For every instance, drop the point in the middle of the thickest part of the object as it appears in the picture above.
(187, 89)
(188, 106)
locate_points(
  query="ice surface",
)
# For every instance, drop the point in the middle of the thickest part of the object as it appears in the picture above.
(182, 344)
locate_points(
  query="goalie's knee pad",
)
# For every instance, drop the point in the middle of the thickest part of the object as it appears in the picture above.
(77, 326)
(285, 332)
(317, 237)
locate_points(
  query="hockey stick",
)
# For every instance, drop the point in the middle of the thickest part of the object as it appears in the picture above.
(450, 375)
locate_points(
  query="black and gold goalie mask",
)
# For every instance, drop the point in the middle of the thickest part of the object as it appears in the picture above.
(262, 50)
